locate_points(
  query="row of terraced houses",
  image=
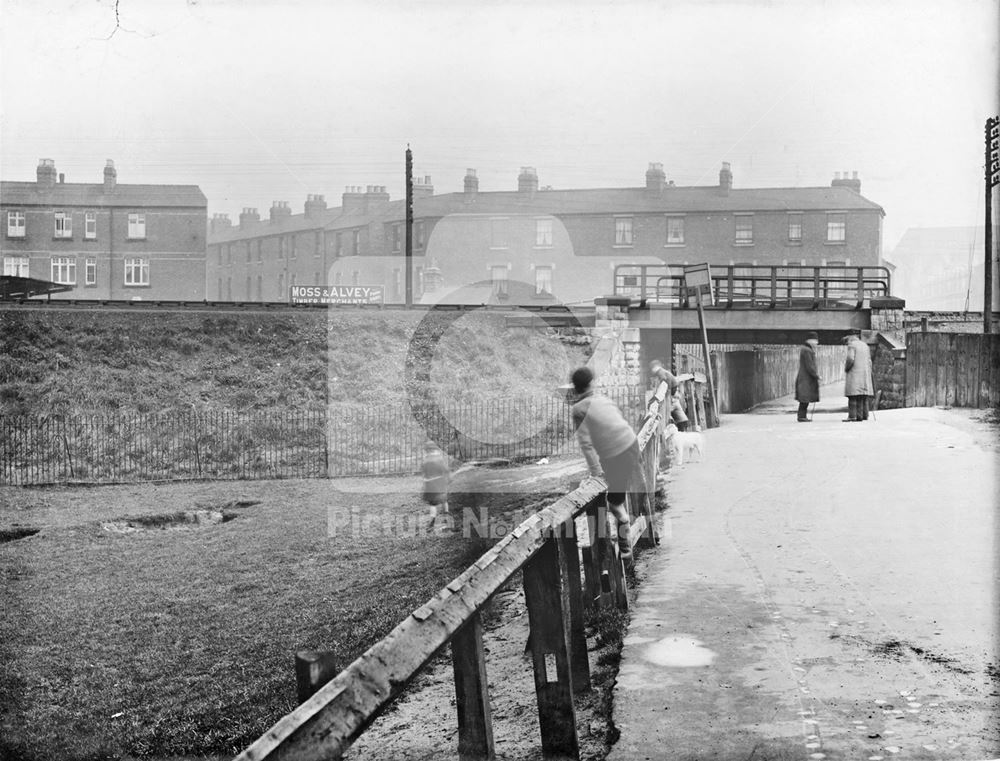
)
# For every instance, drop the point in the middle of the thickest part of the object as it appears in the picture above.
(528, 244)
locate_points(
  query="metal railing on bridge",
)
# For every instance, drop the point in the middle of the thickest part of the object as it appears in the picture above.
(787, 286)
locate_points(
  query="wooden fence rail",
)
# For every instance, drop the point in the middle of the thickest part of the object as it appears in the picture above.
(546, 548)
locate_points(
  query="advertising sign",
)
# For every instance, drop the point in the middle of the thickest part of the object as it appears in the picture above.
(337, 294)
(698, 280)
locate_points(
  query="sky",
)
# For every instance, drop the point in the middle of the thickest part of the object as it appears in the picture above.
(262, 101)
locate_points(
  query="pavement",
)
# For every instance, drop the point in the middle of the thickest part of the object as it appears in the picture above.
(823, 590)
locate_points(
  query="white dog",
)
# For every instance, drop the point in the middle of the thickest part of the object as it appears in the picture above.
(684, 444)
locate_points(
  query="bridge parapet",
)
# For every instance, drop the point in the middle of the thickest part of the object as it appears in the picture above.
(789, 286)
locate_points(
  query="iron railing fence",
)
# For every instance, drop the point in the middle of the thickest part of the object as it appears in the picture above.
(316, 443)
(790, 285)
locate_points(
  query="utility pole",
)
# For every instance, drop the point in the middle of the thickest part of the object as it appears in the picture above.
(992, 178)
(409, 227)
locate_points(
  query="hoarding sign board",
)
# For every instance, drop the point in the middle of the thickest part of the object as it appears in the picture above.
(337, 294)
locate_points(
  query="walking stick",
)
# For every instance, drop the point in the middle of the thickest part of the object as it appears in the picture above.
(812, 409)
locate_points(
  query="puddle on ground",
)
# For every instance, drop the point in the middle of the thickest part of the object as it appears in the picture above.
(186, 519)
(18, 532)
(679, 652)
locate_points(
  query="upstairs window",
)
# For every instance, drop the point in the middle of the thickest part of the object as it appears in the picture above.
(15, 224)
(249, 254)
(64, 270)
(136, 272)
(836, 228)
(90, 271)
(623, 231)
(418, 234)
(136, 226)
(396, 239)
(543, 232)
(498, 233)
(90, 225)
(744, 229)
(794, 228)
(281, 248)
(338, 245)
(543, 281)
(675, 231)
(318, 245)
(15, 266)
(260, 254)
(357, 242)
(295, 246)
(63, 225)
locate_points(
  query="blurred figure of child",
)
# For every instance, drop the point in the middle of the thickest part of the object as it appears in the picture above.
(436, 477)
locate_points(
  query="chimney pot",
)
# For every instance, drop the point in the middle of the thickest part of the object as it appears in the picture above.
(725, 178)
(110, 176)
(471, 183)
(46, 173)
(527, 181)
(655, 177)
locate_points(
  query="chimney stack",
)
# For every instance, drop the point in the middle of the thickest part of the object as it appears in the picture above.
(315, 205)
(422, 187)
(110, 176)
(248, 216)
(655, 176)
(46, 174)
(844, 181)
(375, 196)
(471, 183)
(725, 178)
(527, 181)
(279, 210)
(219, 222)
(353, 199)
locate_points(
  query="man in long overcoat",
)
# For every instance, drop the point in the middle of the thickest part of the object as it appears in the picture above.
(858, 382)
(807, 380)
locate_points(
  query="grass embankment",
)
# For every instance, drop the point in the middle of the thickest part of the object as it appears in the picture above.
(94, 363)
(119, 397)
(175, 642)
(179, 642)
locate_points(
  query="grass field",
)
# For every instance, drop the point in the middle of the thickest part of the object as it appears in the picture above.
(176, 642)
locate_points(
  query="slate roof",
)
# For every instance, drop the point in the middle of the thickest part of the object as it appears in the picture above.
(93, 195)
(569, 202)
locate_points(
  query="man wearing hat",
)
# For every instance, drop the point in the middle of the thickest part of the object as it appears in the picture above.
(858, 382)
(807, 380)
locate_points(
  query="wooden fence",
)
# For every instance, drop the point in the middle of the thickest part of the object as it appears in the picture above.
(952, 369)
(545, 548)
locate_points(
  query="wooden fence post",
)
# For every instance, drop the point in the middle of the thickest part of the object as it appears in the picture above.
(312, 670)
(546, 595)
(569, 564)
(475, 725)
(610, 586)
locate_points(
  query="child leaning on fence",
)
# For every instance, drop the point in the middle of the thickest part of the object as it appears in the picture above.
(609, 444)
(436, 477)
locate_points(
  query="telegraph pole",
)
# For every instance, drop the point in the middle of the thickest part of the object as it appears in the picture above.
(992, 178)
(409, 227)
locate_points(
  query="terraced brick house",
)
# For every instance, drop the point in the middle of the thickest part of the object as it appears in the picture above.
(105, 240)
(558, 246)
